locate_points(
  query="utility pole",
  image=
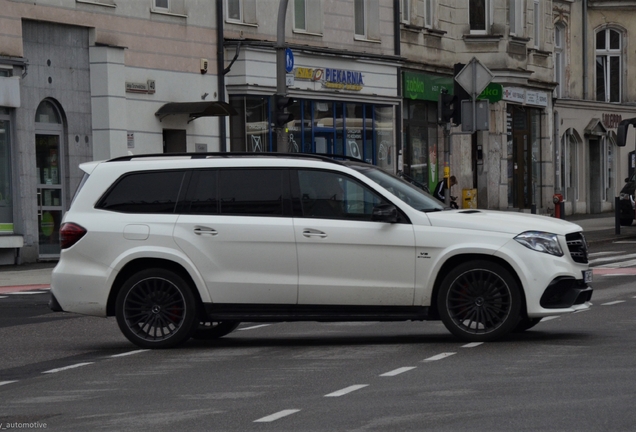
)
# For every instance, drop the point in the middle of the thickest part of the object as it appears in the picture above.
(281, 84)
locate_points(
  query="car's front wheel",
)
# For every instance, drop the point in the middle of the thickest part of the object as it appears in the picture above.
(156, 309)
(479, 301)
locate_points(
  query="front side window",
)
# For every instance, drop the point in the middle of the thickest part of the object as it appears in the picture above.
(479, 16)
(608, 65)
(144, 192)
(331, 195)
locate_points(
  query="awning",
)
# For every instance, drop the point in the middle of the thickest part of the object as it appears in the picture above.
(196, 109)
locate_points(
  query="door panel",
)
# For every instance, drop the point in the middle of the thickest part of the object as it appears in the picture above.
(345, 258)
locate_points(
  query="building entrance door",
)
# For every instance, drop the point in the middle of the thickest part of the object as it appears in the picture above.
(50, 179)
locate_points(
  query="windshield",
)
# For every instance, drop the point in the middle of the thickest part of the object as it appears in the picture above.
(413, 196)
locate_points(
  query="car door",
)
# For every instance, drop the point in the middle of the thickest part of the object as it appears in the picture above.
(345, 258)
(234, 230)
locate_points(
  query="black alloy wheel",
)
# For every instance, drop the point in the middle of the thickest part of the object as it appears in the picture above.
(479, 301)
(156, 309)
(209, 330)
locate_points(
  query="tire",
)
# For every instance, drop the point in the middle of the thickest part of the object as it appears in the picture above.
(156, 309)
(526, 324)
(626, 221)
(214, 330)
(479, 301)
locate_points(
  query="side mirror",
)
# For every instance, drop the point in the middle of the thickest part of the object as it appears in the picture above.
(385, 213)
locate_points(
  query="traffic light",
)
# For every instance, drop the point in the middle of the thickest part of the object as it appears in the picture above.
(445, 107)
(281, 117)
(460, 94)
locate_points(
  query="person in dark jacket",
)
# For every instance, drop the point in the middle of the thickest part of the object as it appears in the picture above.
(440, 189)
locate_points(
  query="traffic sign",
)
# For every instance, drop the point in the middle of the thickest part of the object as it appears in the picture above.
(474, 77)
(289, 60)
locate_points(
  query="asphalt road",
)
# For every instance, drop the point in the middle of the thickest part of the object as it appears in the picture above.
(573, 373)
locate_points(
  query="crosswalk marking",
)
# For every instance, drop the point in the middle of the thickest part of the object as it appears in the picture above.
(613, 263)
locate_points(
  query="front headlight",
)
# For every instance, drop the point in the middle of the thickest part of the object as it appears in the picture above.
(540, 242)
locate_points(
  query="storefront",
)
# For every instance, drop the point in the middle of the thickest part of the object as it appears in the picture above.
(590, 167)
(343, 107)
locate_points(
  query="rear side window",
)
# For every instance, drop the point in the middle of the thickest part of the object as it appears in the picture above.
(144, 192)
(251, 192)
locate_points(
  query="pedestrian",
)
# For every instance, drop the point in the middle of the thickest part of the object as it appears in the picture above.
(440, 189)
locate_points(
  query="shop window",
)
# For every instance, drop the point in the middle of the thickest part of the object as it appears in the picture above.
(608, 65)
(367, 19)
(479, 16)
(249, 130)
(241, 11)
(569, 166)
(383, 137)
(6, 187)
(516, 17)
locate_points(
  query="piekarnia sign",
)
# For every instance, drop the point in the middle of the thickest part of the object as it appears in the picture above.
(343, 79)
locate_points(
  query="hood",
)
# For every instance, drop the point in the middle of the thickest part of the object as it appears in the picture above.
(501, 221)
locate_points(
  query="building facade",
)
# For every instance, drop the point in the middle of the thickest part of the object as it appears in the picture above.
(88, 80)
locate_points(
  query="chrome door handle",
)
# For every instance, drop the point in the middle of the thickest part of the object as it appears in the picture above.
(314, 233)
(205, 231)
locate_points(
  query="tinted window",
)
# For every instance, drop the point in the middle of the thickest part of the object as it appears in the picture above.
(251, 192)
(330, 195)
(145, 192)
(203, 193)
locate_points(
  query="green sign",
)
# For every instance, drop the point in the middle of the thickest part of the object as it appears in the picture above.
(422, 86)
(493, 93)
(425, 87)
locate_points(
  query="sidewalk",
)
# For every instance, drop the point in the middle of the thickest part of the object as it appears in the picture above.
(27, 277)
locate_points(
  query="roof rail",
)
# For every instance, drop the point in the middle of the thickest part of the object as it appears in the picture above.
(332, 158)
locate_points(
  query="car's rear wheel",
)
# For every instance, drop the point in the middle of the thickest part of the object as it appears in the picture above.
(213, 330)
(156, 309)
(479, 301)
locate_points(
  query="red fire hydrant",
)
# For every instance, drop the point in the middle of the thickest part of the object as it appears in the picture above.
(557, 199)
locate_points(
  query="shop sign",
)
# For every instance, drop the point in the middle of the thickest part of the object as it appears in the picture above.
(332, 78)
(425, 87)
(536, 98)
(611, 121)
(492, 93)
(514, 94)
(134, 87)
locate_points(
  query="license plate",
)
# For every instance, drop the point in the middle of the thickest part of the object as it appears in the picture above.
(587, 276)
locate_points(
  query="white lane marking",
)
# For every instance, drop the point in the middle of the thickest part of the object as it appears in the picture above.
(6, 382)
(616, 274)
(619, 264)
(346, 390)
(27, 292)
(472, 345)
(625, 241)
(398, 371)
(548, 318)
(1, 297)
(129, 353)
(67, 368)
(254, 327)
(596, 254)
(276, 416)
(613, 303)
(438, 357)
(583, 310)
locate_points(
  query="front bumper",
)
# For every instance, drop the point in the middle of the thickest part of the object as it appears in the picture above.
(565, 292)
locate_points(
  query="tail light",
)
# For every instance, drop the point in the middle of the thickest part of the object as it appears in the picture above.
(70, 233)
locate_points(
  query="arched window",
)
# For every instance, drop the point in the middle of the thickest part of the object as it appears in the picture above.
(609, 47)
(569, 165)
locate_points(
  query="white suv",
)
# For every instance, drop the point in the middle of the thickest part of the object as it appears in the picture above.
(191, 245)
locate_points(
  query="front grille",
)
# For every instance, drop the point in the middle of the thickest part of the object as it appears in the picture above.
(577, 246)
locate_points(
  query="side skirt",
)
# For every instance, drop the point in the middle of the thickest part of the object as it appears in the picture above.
(325, 313)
